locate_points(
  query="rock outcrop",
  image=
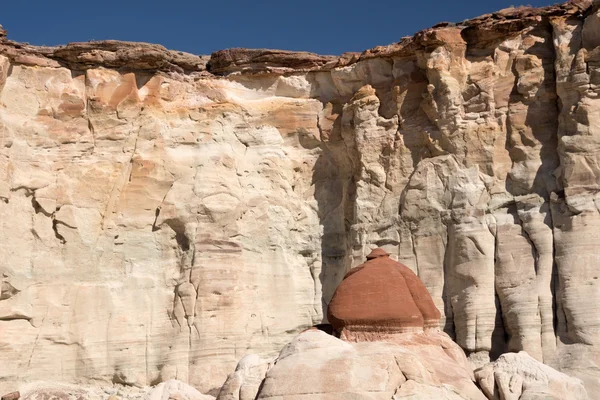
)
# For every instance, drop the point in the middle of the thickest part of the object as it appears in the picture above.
(519, 376)
(163, 391)
(245, 382)
(316, 365)
(385, 351)
(381, 297)
(163, 214)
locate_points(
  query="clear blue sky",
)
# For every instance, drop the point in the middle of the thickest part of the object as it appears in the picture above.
(201, 27)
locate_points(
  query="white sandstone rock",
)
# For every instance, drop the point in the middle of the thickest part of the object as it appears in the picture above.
(316, 365)
(159, 225)
(517, 376)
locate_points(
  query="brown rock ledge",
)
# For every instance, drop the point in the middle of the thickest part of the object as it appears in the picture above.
(477, 33)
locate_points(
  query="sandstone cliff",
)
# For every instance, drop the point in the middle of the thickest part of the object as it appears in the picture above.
(164, 214)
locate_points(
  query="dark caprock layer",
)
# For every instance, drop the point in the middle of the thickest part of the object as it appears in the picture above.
(477, 33)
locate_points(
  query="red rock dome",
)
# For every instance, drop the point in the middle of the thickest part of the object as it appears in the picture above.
(381, 296)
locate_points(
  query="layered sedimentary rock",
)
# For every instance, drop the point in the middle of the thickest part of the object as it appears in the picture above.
(379, 311)
(383, 307)
(163, 391)
(316, 365)
(519, 376)
(245, 382)
(381, 297)
(164, 214)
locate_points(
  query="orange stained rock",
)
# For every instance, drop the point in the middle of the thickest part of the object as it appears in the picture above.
(382, 295)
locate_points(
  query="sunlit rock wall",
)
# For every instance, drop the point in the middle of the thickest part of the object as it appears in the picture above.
(160, 218)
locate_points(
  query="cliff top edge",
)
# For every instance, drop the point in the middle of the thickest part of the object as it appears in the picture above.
(476, 34)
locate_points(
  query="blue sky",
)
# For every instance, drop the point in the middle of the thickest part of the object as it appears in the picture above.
(201, 27)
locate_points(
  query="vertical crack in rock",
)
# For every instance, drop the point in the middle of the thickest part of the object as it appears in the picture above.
(155, 227)
(449, 326)
(562, 323)
(56, 233)
(333, 178)
(37, 338)
(500, 336)
(559, 314)
(88, 113)
(414, 251)
(135, 144)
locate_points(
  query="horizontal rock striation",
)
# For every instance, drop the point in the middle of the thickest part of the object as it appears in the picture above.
(164, 214)
(518, 376)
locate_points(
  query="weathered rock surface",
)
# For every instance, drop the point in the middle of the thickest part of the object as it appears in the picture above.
(381, 297)
(171, 389)
(238, 60)
(316, 365)
(519, 376)
(244, 383)
(11, 396)
(116, 54)
(158, 221)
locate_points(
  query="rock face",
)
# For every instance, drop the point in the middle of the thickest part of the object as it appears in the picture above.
(381, 305)
(316, 365)
(163, 391)
(245, 382)
(381, 296)
(519, 376)
(163, 215)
